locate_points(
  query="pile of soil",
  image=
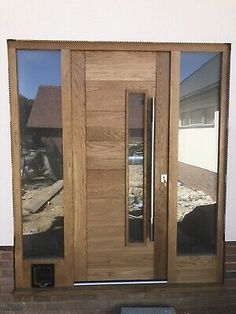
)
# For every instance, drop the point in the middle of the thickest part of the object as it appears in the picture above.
(188, 199)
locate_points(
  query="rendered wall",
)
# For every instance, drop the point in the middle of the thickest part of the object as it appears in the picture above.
(199, 146)
(113, 20)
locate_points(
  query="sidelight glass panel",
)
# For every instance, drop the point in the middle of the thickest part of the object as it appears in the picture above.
(198, 153)
(39, 99)
(135, 128)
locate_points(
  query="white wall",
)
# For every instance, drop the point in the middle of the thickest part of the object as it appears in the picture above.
(199, 146)
(113, 20)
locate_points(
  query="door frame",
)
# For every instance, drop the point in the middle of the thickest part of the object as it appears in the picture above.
(178, 267)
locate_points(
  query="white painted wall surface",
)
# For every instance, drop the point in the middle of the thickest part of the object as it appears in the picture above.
(113, 20)
(199, 146)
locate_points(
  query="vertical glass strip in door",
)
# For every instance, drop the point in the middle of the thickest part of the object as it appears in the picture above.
(135, 172)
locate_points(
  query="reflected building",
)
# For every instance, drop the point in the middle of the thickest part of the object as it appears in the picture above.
(198, 158)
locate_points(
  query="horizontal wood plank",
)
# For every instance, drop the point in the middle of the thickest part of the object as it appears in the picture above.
(118, 46)
(105, 155)
(123, 258)
(110, 95)
(120, 65)
(105, 184)
(134, 273)
(196, 269)
(103, 212)
(105, 126)
(105, 238)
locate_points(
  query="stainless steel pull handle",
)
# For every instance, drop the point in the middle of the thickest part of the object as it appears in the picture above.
(152, 203)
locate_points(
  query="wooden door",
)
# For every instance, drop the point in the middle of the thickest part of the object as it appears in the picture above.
(105, 87)
(97, 90)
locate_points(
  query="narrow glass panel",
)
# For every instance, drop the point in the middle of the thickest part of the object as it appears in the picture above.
(197, 117)
(39, 89)
(136, 103)
(198, 153)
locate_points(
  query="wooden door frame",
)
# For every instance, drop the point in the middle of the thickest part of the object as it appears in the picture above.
(72, 54)
(180, 268)
(23, 266)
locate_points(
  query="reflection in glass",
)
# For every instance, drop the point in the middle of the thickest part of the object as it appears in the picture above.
(39, 80)
(136, 102)
(198, 153)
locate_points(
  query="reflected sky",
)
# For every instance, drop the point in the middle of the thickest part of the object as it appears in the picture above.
(192, 61)
(35, 68)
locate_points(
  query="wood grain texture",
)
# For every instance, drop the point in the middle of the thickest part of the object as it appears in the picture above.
(105, 155)
(108, 274)
(173, 165)
(197, 269)
(110, 95)
(120, 65)
(105, 239)
(119, 261)
(105, 126)
(105, 184)
(16, 158)
(110, 46)
(103, 213)
(120, 258)
(222, 157)
(109, 76)
(66, 272)
(161, 163)
(105, 96)
(79, 163)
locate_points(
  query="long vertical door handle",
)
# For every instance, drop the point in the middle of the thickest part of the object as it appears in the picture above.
(152, 203)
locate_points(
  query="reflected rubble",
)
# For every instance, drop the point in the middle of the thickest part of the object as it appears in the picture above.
(189, 198)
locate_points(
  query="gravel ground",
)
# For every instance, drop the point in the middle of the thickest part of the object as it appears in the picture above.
(135, 187)
(188, 199)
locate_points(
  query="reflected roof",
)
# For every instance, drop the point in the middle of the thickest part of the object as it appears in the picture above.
(46, 110)
(205, 78)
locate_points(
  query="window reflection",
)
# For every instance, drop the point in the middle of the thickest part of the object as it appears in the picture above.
(39, 81)
(136, 102)
(198, 152)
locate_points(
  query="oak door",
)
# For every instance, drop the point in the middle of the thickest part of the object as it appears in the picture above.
(120, 112)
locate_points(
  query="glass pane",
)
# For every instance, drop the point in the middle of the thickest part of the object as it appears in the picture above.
(210, 115)
(185, 118)
(39, 89)
(197, 117)
(136, 102)
(198, 153)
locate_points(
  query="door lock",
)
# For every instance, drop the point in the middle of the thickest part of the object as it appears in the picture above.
(164, 179)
